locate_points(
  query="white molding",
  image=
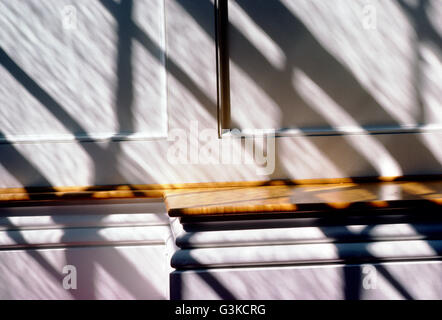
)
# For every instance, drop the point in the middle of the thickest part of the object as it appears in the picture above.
(150, 235)
(305, 235)
(333, 131)
(82, 137)
(300, 254)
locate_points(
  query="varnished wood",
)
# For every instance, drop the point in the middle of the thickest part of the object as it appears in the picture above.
(272, 191)
(289, 198)
(9, 198)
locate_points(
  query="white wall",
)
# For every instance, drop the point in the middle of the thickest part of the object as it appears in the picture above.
(118, 250)
(89, 106)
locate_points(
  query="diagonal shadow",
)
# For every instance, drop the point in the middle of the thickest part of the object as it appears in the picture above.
(425, 33)
(15, 163)
(124, 101)
(37, 256)
(353, 272)
(125, 88)
(309, 56)
(325, 70)
(252, 62)
(176, 285)
(22, 169)
(338, 82)
(124, 95)
(38, 93)
(172, 67)
(418, 14)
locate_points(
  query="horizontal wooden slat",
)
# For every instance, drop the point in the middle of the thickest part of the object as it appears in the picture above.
(290, 198)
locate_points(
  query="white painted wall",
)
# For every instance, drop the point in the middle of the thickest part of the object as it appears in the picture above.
(117, 249)
(66, 95)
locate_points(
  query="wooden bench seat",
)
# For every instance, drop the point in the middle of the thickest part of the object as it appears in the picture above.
(298, 198)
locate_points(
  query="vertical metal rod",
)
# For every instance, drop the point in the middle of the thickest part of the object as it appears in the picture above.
(222, 60)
